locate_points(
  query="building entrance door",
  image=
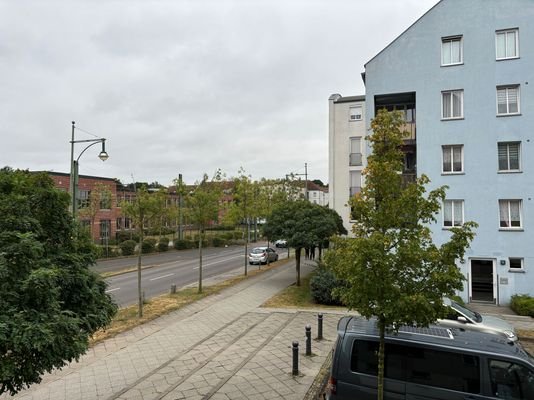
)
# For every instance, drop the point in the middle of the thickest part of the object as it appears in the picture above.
(482, 280)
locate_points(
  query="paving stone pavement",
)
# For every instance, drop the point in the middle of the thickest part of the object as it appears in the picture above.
(222, 347)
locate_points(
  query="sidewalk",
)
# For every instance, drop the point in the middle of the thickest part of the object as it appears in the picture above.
(222, 347)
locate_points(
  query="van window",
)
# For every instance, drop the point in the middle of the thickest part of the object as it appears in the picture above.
(443, 369)
(511, 381)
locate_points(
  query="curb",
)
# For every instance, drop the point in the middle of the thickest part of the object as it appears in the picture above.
(318, 386)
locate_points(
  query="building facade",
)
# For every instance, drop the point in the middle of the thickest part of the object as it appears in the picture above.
(465, 67)
(346, 147)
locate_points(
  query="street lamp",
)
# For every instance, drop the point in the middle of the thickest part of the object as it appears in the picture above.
(74, 166)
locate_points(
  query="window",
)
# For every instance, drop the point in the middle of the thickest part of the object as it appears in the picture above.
(119, 224)
(509, 156)
(84, 197)
(516, 263)
(419, 365)
(105, 230)
(453, 213)
(508, 100)
(355, 182)
(451, 50)
(355, 113)
(355, 157)
(452, 159)
(510, 380)
(452, 104)
(105, 200)
(510, 213)
(507, 44)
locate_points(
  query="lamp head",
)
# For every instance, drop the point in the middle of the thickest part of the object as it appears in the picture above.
(103, 155)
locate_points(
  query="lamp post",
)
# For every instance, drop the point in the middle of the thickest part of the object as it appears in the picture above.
(73, 184)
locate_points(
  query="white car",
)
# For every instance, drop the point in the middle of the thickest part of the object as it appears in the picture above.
(461, 317)
(262, 255)
(280, 243)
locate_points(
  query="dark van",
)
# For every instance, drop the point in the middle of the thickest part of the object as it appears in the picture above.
(428, 363)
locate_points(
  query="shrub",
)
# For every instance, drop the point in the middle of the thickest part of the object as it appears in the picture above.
(218, 241)
(127, 247)
(180, 244)
(148, 246)
(321, 286)
(163, 245)
(523, 304)
(127, 235)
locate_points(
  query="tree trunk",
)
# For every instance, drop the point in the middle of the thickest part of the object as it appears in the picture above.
(201, 231)
(381, 353)
(246, 249)
(297, 263)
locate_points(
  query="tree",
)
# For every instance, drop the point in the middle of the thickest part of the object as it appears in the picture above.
(302, 224)
(99, 198)
(143, 210)
(203, 207)
(392, 268)
(51, 301)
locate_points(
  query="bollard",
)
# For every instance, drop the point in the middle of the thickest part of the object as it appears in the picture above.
(308, 340)
(143, 297)
(295, 358)
(173, 289)
(320, 327)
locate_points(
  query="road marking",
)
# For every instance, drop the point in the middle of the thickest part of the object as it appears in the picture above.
(161, 277)
(112, 290)
(218, 262)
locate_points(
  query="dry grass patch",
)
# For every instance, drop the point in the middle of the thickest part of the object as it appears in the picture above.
(127, 318)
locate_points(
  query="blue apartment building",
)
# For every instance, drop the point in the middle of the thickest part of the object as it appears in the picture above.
(463, 74)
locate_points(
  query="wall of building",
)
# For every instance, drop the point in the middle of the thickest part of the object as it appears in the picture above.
(341, 130)
(412, 63)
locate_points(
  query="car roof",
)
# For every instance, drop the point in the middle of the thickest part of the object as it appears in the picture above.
(434, 334)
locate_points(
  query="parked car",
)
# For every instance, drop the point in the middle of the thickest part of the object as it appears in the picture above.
(280, 243)
(428, 363)
(462, 317)
(262, 255)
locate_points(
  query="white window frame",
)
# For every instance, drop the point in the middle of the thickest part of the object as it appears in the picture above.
(449, 40)
(507, 206)
(354, 114)
(507, 144)
(452, 147)
(507, 88)
(454, 204)
(452, 92)
(505, 32)
(521, 260)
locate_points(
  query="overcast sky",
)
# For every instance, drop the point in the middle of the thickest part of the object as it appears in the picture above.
(184, 86)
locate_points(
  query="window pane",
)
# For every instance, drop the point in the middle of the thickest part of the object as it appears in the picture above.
(513, 150)
(446, 52)
(513, 104)
(503, 156)
(503, 212)
(457, 104)
(447, 105)
(510, 44)
(514, 213)
(456, 55)
(516, 263)
(447, 159)
(447, 213)
(458, 219)
(501, 45)
(457, 158)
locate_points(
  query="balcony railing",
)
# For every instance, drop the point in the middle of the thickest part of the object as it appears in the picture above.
(355, 159)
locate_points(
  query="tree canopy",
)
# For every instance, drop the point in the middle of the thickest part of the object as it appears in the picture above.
(392, 268)
(303, 225)
(51, 301)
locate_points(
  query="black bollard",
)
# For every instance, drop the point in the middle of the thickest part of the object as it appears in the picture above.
(173, 289)
(320, 327)
(308, 340)
(295, 358)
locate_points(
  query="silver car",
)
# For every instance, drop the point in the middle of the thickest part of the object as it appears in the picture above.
(462, 317)
(262, 255)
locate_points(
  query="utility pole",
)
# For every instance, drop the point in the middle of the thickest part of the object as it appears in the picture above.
(180, 227)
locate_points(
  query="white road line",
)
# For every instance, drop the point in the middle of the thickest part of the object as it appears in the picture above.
(161, 277)
(112, 290)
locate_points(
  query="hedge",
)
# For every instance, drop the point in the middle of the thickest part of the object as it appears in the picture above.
(523, 304)
(321, 286)
(127, 247)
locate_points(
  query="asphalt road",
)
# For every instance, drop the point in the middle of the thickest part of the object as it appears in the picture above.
(180, 268)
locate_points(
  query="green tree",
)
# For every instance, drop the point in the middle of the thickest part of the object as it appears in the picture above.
(203, 208)
(143, 210)
(51, 302)
(393, 270)
(302, 224)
